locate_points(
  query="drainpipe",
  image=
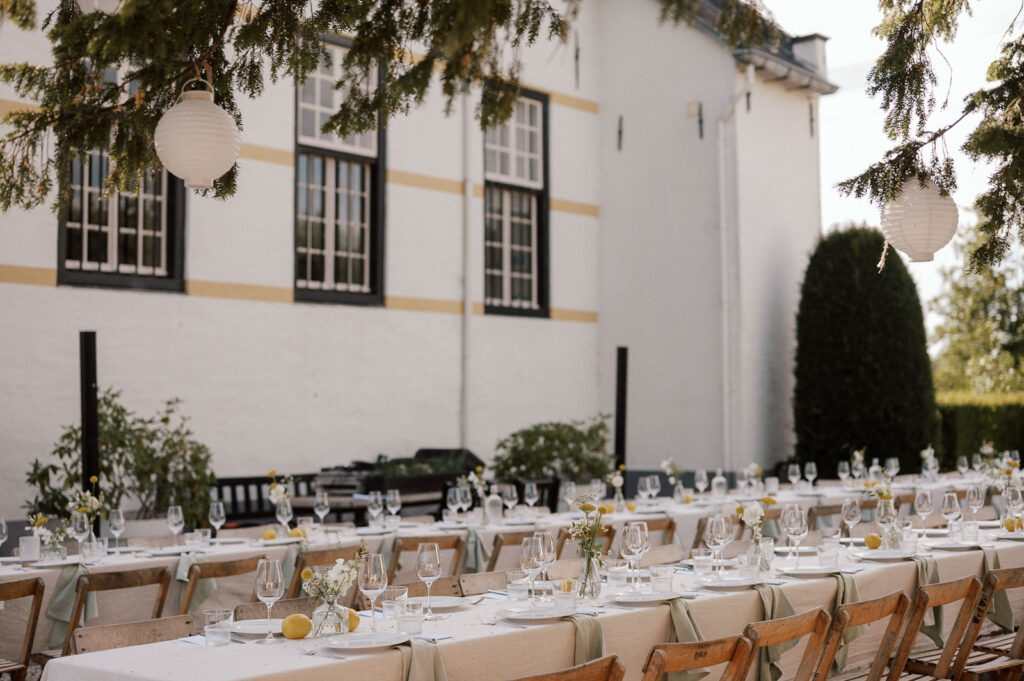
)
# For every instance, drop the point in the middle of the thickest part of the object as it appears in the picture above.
(467, 305)
(726, 260)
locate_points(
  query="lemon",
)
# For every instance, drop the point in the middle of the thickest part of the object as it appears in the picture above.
(296, 626)
(872, 541)
(353, 619)
(269, 534)
(296, 532)
(631, 505)
(688, 499)
(307, 574)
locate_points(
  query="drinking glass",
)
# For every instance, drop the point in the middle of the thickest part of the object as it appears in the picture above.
(531, 562)
(1014, 504)
(892, 466)
(950, 509)
(269, 589)
(635, 543)
(393, 501)
(700, 480)
(793, 472)
(375, 503)
(509, 496)
(465, 498)
(80, 527)
(372, 580)
(654, 485)
(797, 530)
(810, 471)
(643, 487)
(718, 534)
(703, 563)
(547, 549)
(843, 470)
(962, 465)
(851, 514)
(3, 530)
(923, 505)
(569, 491)
(976, 462)
(284, 513)
(218, 627)
(428, 569)
(452, 499)
(322, 505)
(393, 601)
(217, 516)
(857, 470)
(116, 522)
(531, 494)
(787, 518)
(975, 500)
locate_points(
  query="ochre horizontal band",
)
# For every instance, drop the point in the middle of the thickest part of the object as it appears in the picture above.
(565, 206)
(420, 181)
(423, 304)
(36, 276)
(220, 289)
(9, 105)
(563, 315)
(258, 152)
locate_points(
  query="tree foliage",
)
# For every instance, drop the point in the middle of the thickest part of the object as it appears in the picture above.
(574, 451)
(863, 378)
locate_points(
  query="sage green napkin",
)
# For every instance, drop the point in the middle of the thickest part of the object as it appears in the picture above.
(476, 555)
(928, 573)
(387, 548)
(999, 611)
(776, 606)
(846, 593)
(770, 528)
(684, 630)
(59, 607)
(287, 563)
(204, 587)
(589, 638)
(421, 661)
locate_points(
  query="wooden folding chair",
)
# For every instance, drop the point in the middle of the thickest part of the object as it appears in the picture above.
(1010, 644)
(505, 539)
(606, 668)
(666, 525)
(608, 534)
(93, 639)
(9, 591)
(937, 664)
(814, 513)
(445, 542)
(663, 555)
(214, 570)
(306, 559)
(683, 657)
(110, 581)
(894, 606)
(702, 526)
(475, 583)
(772, 632)
(444, 586)
(283, 608)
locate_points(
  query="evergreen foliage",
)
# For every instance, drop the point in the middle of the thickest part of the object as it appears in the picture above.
(968, 420)
(863, 378)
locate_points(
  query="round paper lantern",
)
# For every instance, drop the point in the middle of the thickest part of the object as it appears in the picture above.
(105, 6)
(920, 220)
(197, 140)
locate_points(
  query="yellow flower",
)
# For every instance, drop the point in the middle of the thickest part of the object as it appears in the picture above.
(1008, 471)
(1012, 463)
(622, 466)
(273, 485)
(479, 469)
(40, 521)
(885, 496)
(93, 479)
(607, 509)
(587, 508)
(739, 510)
(272, 473)
(307, 574)
(870, 483)
(768, 501)
(82, 509)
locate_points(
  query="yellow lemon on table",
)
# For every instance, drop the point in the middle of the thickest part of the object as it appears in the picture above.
(269, 534)
(296, 532)
(631, 505)
(872, 541)
(353, 619)
(296, 626)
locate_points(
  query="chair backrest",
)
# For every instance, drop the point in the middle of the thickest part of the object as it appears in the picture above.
(681, 657)
(606, 668)
(444, 586)
(930, 596)
(158, 542)
(772, 632)
(250, 532)
(214, 570)
(607, 534)
(508, 541)
(997, 580)
(92, 639)
(702, 524)
(109, 581)
(306, 559)
(419, 519)
(665, 525)
(894, 606)
(445, 542)
(475, 583)
(26, 588)
(283, 608)
(663, 555)
(566, 567)
(829, 511)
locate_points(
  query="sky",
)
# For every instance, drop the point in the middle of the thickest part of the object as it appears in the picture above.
(851, 122)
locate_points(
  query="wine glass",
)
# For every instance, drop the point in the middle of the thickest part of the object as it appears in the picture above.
(428, 569)
(787, 518)
(284, 513)
(452, 499)
(843, 470)
(322, 505)
(923, 505)
(643, 487)
(950, 508)
(80, 527)
(892, 466)
(393, 500)
(116, 522)
(635, 543)
(851, 514)
(465, 498)
(509, 496)
(700, 480)
(718, 534)
(3, 530)
(962, 465)
(269, 589)
(975, 500)
(569, 491)
(810, 471)
(217, 516)
(373, 579)
(175, 521)
(547, 549)
(976, 462)
(1014, 504)
(654, 486)
(375, 503)
(797, 530)
(793, 472)
(531, 494)
(531, 561)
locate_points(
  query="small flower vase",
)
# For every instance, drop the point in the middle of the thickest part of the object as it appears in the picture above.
(53, 551)
(620, 501)
(679, 493)
(888, 520)
(590, 578)
(330, 619)
(766, 552)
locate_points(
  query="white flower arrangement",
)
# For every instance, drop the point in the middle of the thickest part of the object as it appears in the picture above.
(857, 458)
(84, 502)
(669, 467)
(476, 480)
(753, 470)
(279, 490)
(615, 478)
(37, 522)
(751, 514)
(987, 449)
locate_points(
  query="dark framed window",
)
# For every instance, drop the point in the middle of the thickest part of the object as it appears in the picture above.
(516, 211)
(339, 196)
(126, 240)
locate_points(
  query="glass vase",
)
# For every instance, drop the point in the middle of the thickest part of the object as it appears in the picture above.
(590, 578)
(53, 551)
(888, 521)
(620, 501)
(330, 619)
(679, 493)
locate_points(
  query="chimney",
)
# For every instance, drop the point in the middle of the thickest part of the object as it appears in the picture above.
(810, 49)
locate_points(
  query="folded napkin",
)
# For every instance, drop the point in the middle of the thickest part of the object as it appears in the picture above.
(421, 661)
(204, 587)
(928, 573)
(63, 600)
(589, 638)
(846, 593)
(684, 630)
(999, 611)
(477, 554)
(288, 563)
(770, 528)
(387, 548)
(776, 605)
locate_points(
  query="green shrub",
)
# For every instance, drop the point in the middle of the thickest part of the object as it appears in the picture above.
(573, 451)
(967, 420)
(863, 378)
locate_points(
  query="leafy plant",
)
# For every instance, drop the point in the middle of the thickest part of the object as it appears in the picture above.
(573, 451)
(410, 466)
(154, 461)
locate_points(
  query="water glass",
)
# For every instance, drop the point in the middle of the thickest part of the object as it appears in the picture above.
(617, 572)
(910, 541)
(375, 520)
(771, 486)
(702, 563)
(565, 593)
(205, 536)
(192, 541)
(828, 556)
(747, 569)
(92, 552)
(410, 620)
(218, 627)
(767, 548)
(393, 601)
(392, 522)
(28, 548)
(448, 515)
(306, 523)
(970, 532)
(661, 578)
(517, 584)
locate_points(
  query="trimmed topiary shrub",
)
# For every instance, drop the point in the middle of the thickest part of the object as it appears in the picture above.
(968, 420)
(863, 377)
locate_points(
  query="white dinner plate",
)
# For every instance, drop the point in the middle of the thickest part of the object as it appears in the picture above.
(810, 571)
(372, 531)
(172, 550)
(281, 541)
(883, 555)
(728, 563)
(9, 559)
(989, 524)
(933, 531)
(451, 524)
(1010, 537)
(802, 550)
(644, 598)
(230, 540)
(958, 546)
(70, 560)
(440, 602)
(520, 521)
(733, 583)
(855, 541)
(365, 641)
(531, 615)
(256, 627)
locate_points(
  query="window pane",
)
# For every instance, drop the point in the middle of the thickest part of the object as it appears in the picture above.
(151, 216)
(301, 234)
(75, 206)
(96, 246)
(307, 124)
(308, 91)
(493, 286)
(326, 94)
(357, 271)
(73, 243)
(358, 245)
(318, 171)
(341, 270)
(317, 235)
(316, 266)
(342, 182)
(317, 210)
(357, 177)
(303, 164)
(341, 238)
(300, 267)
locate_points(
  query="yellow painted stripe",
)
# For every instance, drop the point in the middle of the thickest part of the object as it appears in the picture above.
(573, 315)
(36, 276)
(478, 308)
(478, 191)
(587, 105)
(423, 304)
(219, 289)
(420, 181)
(9, 105)
(258, 152)
(565, 206)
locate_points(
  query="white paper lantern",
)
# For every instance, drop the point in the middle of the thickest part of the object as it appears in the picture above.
(920, 220)
(105, 6)
(197, 140)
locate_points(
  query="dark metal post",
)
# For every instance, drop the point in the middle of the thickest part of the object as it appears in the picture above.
(90, 415)
(621, 381)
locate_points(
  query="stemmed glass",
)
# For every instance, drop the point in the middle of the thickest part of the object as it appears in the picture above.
(975, 500)
(531, 494)
(950, 509)
(547, 549)
(717, 536)
(531, 560)
(843, 470)
(794, 521)
(569, 491)
(654, 486)
(793, 472)
(452, 499)
(851, 514)
(962, 465)
(217, 516)
(635, 543)
(375, 503)
(322, 505)
(373, 579)
(643, 487)
(509, 496)
(810, 471)
(976, 462)
(269, 589)
(80, 527)
(700, 480)
(393, 501)
(465, 498)
(923, 505)
(284, 513)
(3, 530)
(428, 569)
(175, 521)
(1014, 504)
(116, 522)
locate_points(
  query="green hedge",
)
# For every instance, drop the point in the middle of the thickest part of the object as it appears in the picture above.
(966, 420)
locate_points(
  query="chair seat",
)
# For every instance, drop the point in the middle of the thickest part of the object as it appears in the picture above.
(999, 643)
(979, 663)
(17, 671)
